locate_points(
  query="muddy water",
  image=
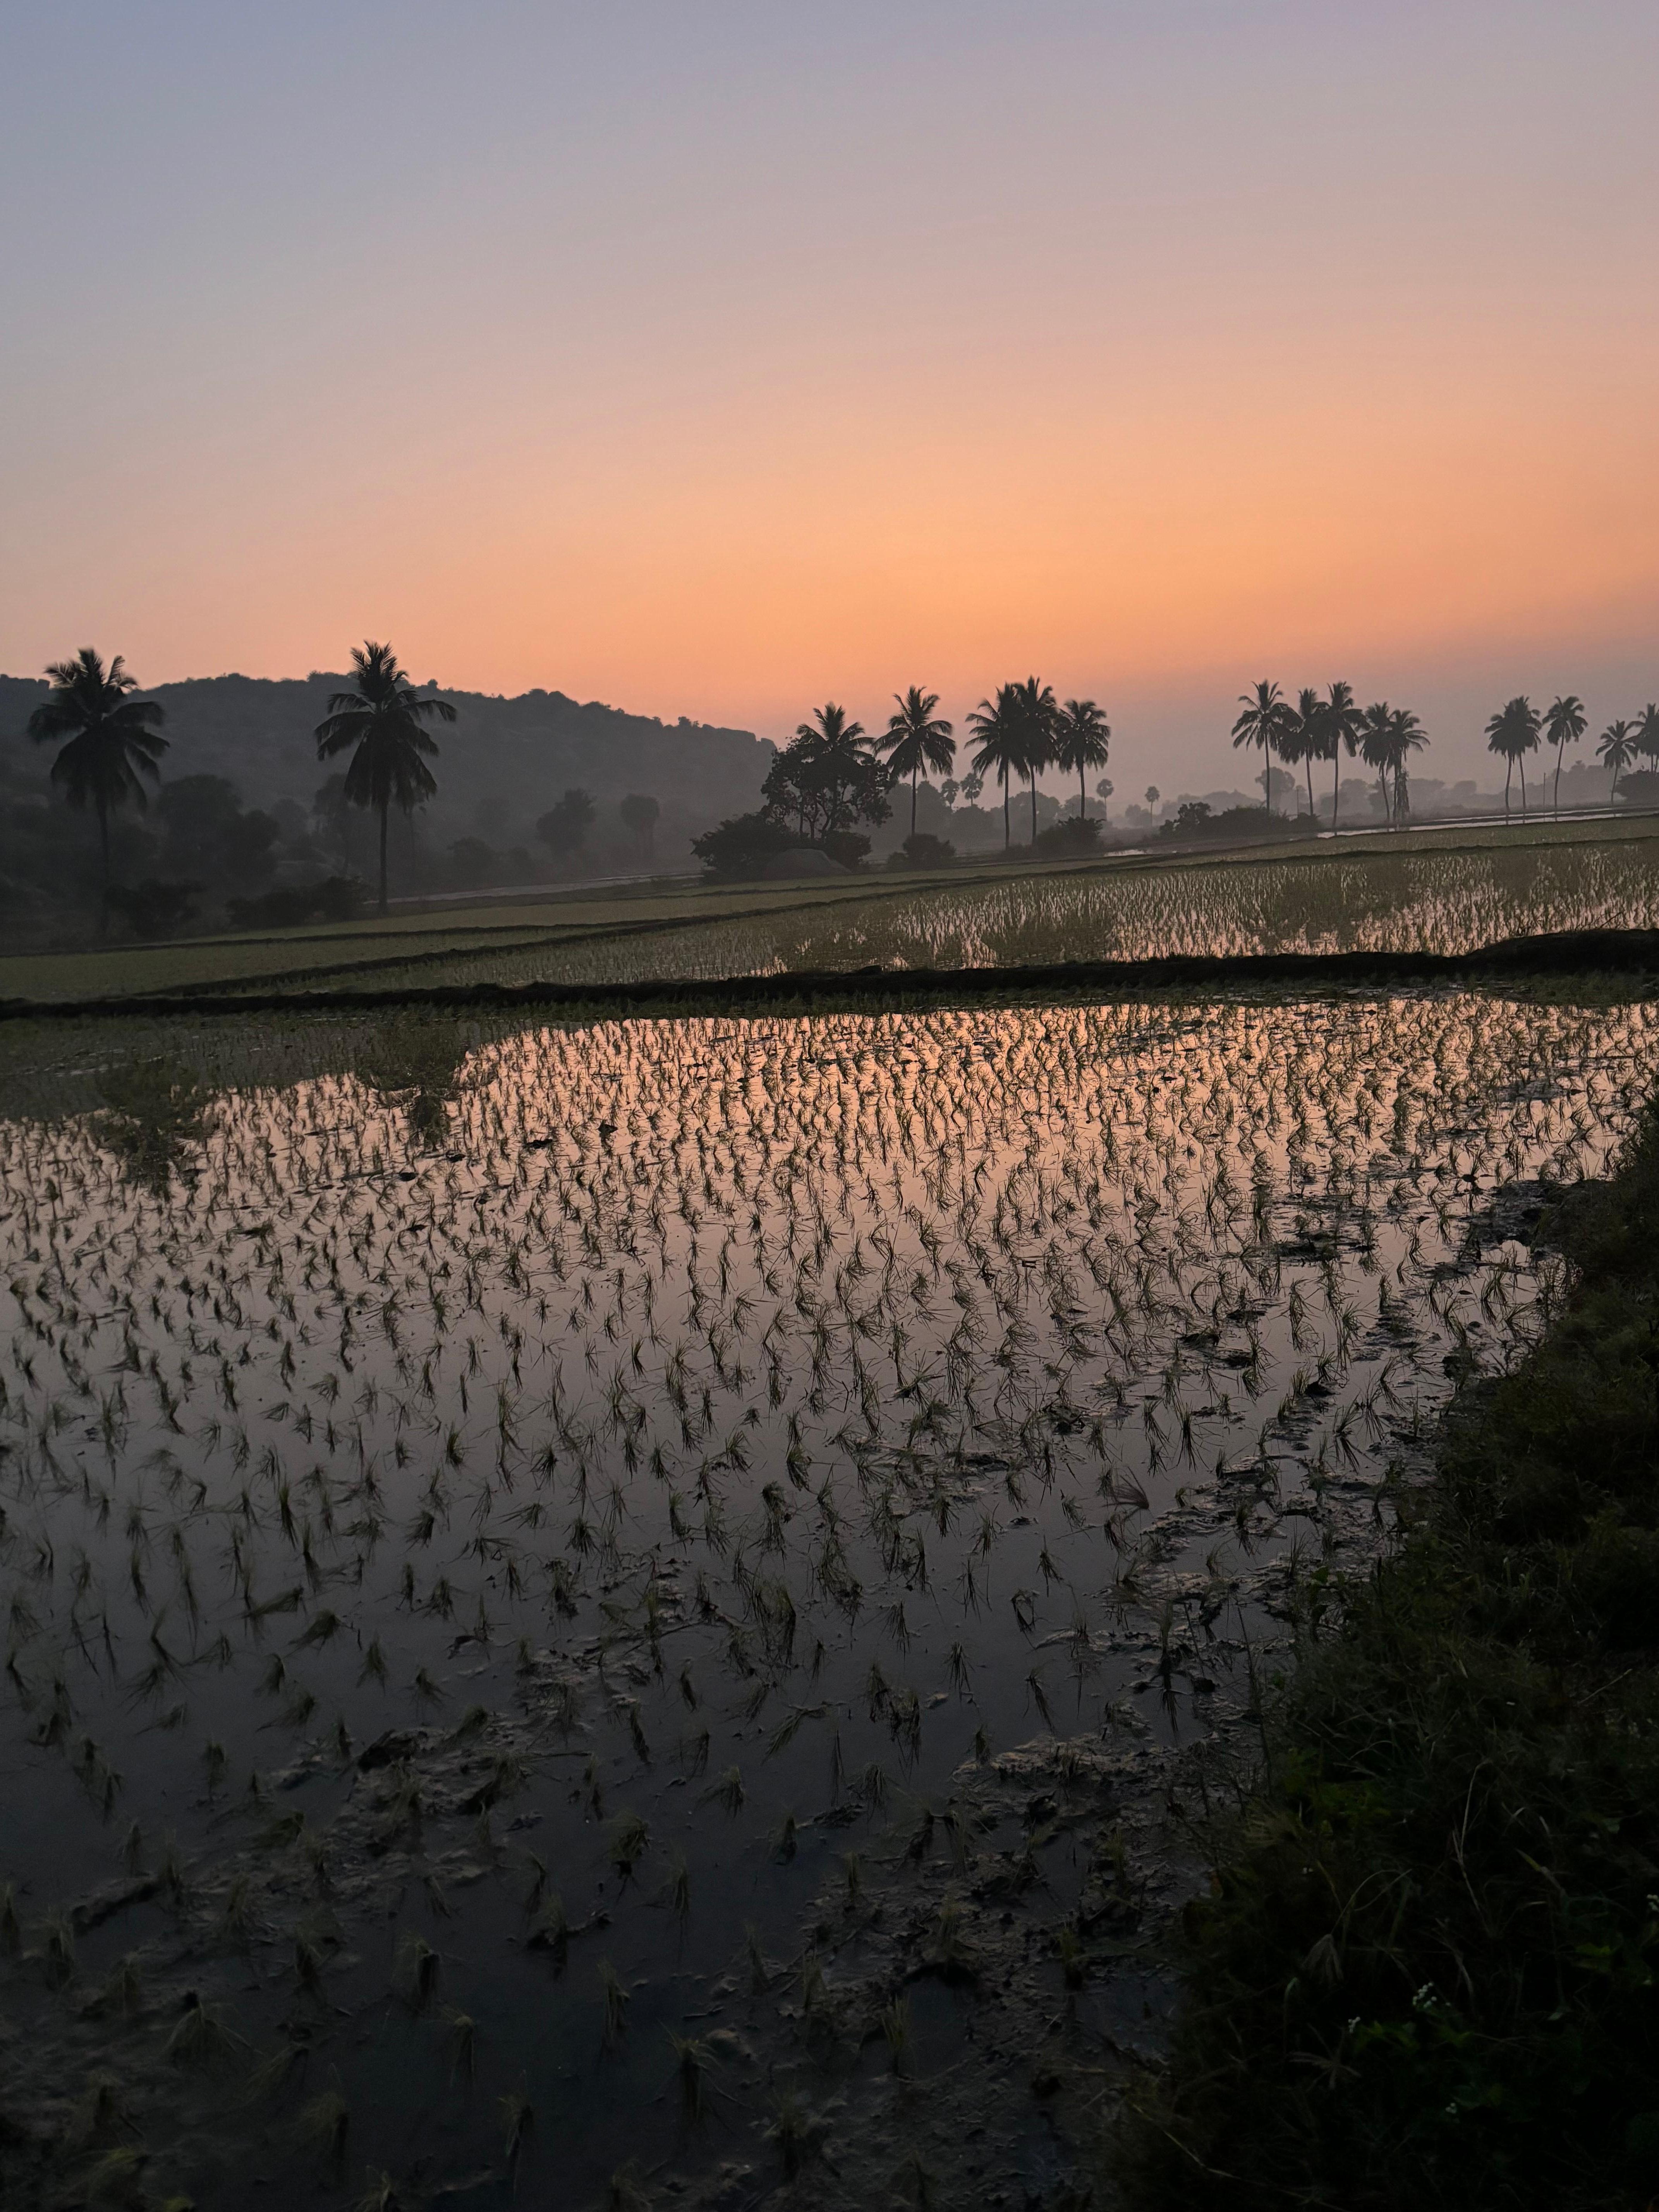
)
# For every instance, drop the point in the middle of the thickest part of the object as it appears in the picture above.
(622, 1613)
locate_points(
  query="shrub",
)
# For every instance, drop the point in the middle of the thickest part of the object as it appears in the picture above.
(155, 908)
(742, 845)
(336, 898)
(923, 850)
(1073, 838)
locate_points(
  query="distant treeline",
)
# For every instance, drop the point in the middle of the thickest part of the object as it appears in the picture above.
(240, 820)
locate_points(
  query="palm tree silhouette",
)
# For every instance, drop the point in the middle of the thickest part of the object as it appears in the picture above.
(999, 726)
(1405, 735)
(1513, 732)
(381, 717)
(112, 741)
(1565, 723)
(1616, 749)
(915, 740)
(1339, 730)
(1266, 720)
(1646, 733)
(1083, 740)
(1037, 711)
(1375, 749)
(1299, 739)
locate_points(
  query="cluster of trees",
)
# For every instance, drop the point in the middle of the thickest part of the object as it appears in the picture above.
(1324, 728)
(834, 775)
(1519, 728)
(111, 747)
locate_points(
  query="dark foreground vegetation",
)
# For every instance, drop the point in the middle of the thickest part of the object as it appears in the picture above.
(1424, 1975)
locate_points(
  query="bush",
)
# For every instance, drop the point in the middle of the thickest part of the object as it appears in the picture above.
(1073, 838)
(155, 908)
(923, 850)
(851, 847)
(741, 846)
(1639, 788)
(336, 898)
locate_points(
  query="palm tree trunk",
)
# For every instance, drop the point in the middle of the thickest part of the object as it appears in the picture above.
(1521, 764)
(1509, 777)
(1034, 810)
(1007, 826)
(1082, 799)
(1307, 762)
(915, 773)
(1561, 748)
(1336, 783)
(384, 809)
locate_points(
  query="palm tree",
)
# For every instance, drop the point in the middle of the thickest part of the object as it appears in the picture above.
(1513, 732)
(999, 726)
(1300, 740)
(1564, 725)
(1616, 749)
(1338, 731)
(381, 718)
(1038, 715)
(1646, 734)
(915, 740)
(111, 740)
(1405, 735)
(1266, 721)
(1083, 740)
(1374, 747)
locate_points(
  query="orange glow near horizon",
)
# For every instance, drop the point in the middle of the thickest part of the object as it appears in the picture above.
(729, 394)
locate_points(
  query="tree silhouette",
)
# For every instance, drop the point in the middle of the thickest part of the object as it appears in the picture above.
(1083, 740)
(999, 726)
(563, 829)
(1299, 739)
(379, 721)
(1405, 735)
(827, 777)
(1036, 713)
(915, 740)
(639, 813)
(1616, 749)
(1513, 733)
(109, 738)
(1267, 719)
(1374, 747)
(1338, 731)
(1646, 733)
(1565, 723)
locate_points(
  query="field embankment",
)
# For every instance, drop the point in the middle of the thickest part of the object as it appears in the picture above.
(1424, 1975)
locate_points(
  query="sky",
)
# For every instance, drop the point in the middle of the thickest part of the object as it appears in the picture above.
(718, 359)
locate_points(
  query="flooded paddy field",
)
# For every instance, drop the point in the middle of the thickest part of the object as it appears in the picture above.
(1327, 901)
(632, 1615)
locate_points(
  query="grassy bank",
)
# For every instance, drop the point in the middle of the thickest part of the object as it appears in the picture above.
(1424, 1975)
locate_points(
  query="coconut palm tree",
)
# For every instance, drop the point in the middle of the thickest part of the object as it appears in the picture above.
(111, 739)
(379, 722)
(1038, 713)
(1083, 740)
(1616, 749)
(1513, 733)
(915, 740)
(1565, 723)
(1646, 734)
(1405, 735)
(1299, 740)
(1375, 749)
(999, 726)
(1337, 729)
(1266, 721)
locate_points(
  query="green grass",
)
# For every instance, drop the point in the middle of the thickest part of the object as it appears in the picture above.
(1424, 1975)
